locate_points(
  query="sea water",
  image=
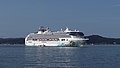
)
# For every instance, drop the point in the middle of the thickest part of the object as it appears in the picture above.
(91, 56)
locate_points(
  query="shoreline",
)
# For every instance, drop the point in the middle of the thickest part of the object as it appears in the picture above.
(93, 40)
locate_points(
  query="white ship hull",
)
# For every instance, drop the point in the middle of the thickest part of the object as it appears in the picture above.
(73, 42)
(61, 38)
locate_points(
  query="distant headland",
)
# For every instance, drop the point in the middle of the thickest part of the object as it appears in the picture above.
(12, 40)
(93, 39)
(96, 39)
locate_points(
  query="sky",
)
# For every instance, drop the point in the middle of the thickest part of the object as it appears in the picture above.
(18, 18)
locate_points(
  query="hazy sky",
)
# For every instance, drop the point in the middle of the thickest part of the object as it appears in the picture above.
(21, 17)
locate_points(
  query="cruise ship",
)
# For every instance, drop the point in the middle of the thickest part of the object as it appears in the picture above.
(45, 37)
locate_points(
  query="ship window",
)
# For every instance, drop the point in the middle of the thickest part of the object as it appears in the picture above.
(50, 39)
(62, 39)
(53, 39)
(76, 33)
(56, 39)
(47, 39)
(66, 39)
(40, 39)
(34, 39)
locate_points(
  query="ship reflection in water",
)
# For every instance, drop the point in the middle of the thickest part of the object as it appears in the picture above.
(51, 57)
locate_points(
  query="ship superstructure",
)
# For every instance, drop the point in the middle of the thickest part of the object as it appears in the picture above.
(45, 37)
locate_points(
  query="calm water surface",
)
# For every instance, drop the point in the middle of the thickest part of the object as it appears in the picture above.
(60, 57)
